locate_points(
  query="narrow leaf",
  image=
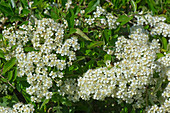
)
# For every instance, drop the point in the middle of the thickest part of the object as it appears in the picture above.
(15, 74)
(107, 57)
(1, 55)
(95, 44)
(124, 19)
(44, 103)
(164, 42)
(28, 49)
(80, 58)
(92, 5)
(158, 85)
(8, 65)
(78, 31)
(72, 30)
(10, 73)
(159, 55)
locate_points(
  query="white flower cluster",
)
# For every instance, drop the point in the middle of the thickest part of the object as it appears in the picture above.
(98, 84)
(109, 19)
(159, 27)
(148, 19)
(18, 108)
(99, 12)
(128, 79)
(46, 37)
(89, 21)
(70, 89)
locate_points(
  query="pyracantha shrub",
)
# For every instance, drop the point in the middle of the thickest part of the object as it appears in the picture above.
(135, 69)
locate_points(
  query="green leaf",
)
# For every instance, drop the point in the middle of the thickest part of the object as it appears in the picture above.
(66, 102)
(19, 86)
(71, 22)
(77, 10)
(88, 52)
(26, 96)
(8, 65)
(158, 85)
(15, 98)
(90, 64)
(70, 18)
(164, 42)
(137, 1)
(159, 55)
(72, 30)
(28, 49)
(146, 27)
(151, 4)
(79, 58)
(92, 6)
(168, 48)
(107, 57)
(78, 31)
(4, 80)
(85, 30)
(16, 18)
(100, 63)
(54, 13)
(1, 36)
(15, 74)
(95, 44)
(124, 19)
(71, 68)
(134, 5)
(10, 73)
(107, 33)
(2, 55)
(44, 103)
(25, 12)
